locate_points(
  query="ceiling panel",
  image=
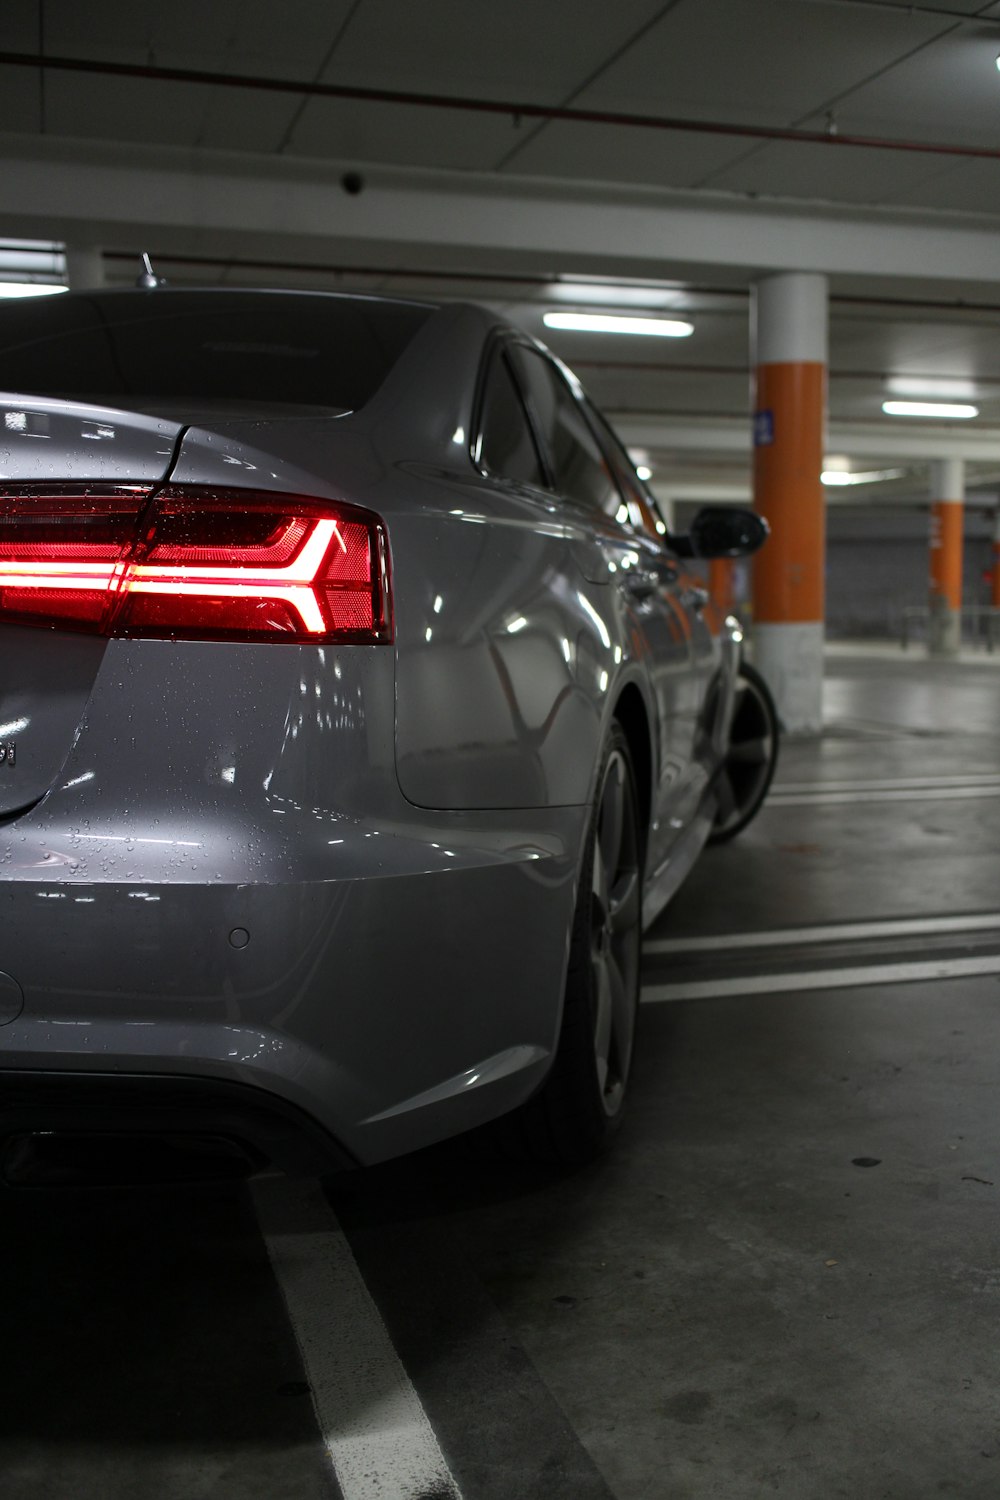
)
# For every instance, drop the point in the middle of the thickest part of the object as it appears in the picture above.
(115, 30)
(245, 122)
(287, 41)
(236, 36)
(393, 133)
(131, 109)
(517, 49)
(20, 25)
(20, 100)
(766, 62)
(950, 92)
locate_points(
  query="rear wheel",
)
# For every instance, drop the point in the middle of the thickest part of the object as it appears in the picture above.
(746, 772)
(577, 1112)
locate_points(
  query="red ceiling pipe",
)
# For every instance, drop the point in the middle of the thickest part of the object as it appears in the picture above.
(518, 111)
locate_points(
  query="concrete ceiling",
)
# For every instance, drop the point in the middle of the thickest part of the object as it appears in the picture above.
(520, 152)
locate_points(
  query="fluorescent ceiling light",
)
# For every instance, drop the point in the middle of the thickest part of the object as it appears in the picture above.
(928, 409)
(610, 291)
(664, 328)
(28, 289)
(38, 262)
(946, 389)
(840, 477)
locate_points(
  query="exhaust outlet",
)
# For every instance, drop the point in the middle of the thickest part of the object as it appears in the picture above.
(56, 1159)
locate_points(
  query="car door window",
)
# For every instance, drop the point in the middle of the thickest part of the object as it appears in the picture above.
(579, 468)
(506, 446)
(644, 513)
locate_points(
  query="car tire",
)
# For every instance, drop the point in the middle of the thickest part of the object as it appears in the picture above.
(579, 1109)
(745, 774)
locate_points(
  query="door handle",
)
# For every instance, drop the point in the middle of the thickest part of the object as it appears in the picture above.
(641, 583)
(695, 598)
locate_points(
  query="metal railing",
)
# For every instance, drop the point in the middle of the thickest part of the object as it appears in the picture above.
(979, 624)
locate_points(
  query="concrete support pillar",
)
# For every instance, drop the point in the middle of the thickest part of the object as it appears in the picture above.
(84, 267)
(944, 630)
(789, 341)
(722, 583)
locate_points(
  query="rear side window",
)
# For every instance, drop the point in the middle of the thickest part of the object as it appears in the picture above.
(643, 511)
(271, 350)
(579, 467)
(506, 444)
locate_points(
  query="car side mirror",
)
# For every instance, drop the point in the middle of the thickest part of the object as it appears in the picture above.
(722, 531)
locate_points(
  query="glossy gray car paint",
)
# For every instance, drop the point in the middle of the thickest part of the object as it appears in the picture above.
(238, 807)
(398, 829)
(45, 439)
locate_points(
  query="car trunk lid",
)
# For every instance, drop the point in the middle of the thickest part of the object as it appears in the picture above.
(45, 439)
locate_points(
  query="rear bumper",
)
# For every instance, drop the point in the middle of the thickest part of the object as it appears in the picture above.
(414, 997)
(235, 891)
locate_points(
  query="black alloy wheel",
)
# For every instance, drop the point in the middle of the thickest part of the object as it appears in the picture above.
(615, 932)
(745, 775)
(578, 1110)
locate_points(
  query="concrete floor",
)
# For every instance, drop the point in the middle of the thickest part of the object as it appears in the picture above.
(785, 1279)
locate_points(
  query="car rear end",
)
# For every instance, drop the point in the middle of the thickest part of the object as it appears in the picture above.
(215, 902)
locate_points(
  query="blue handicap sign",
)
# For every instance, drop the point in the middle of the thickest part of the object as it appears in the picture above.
(763, 428)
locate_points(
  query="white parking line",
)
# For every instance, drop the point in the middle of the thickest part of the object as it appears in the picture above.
(374, 1429)
(972, 778)
(822, 979)
(926, 794)
(832, 932)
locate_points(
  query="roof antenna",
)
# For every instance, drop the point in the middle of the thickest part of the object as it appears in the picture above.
(149, 279)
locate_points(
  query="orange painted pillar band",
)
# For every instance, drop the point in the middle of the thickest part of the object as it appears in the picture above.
(789, 314)
(788, 492)
(946, 554)
(944, 627)
(722, 583)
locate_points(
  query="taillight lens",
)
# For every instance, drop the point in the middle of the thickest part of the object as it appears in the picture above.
(191, 562)
(62, 555)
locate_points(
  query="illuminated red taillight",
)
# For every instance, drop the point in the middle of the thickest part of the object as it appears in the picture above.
(62, 555)
(191, 562)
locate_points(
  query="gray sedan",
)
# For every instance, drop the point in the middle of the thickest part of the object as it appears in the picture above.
(356, 713)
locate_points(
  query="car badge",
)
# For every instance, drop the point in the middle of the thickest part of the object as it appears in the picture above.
(7, 755)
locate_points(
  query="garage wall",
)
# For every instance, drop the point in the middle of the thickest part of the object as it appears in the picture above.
(877, 565)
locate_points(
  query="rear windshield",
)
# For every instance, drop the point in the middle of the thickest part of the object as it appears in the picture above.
(268, 350)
